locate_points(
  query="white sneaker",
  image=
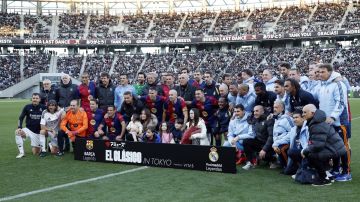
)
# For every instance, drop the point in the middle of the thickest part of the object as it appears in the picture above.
(20, 155)
(50, 146)
(293, 176)
(248, 166)
(273, 165)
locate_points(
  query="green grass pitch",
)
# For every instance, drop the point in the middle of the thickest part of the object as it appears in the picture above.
(33, 173)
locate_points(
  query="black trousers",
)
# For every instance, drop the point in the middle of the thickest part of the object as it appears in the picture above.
(253, 146)
(320, 165)
(63, 138)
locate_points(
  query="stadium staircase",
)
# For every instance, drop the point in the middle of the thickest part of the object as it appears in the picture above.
(83, 65)
(348, 9)
(55, 26)
(264, 60)
(181, 25)
(203, 60)
(45, 25)
(335, 58)
(53, 64)
(22, 26)
(116, 58)
(87, 25)
(22, 67)
(211, 28)
(300, 56)
(228, 64)
(141, 66)
(151, 25)
(277, 20)
(310, 18)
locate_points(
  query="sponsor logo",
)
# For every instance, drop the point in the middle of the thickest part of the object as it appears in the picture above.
(117, 145)
(89, 144)
(123, 156)
(213, 155)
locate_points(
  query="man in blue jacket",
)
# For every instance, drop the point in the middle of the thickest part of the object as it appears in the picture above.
(299, 137)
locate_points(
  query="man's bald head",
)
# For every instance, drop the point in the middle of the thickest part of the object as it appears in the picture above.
(309, 111)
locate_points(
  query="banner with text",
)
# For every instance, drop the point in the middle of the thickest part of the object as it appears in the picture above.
(168, 41)
(204, 158)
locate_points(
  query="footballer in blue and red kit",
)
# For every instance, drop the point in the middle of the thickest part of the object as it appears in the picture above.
(95, 117)
(174, 108)
(113, 126)
(207, 107)
(86, 91)
(154, 103)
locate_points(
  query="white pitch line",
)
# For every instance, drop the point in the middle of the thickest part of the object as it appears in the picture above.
(71, 184)
(356, 118)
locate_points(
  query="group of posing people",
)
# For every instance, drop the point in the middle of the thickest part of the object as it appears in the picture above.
(293, 122)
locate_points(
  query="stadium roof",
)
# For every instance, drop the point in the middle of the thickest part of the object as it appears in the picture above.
(132, 6)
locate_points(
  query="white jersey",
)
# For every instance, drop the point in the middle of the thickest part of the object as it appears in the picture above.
(51, 121)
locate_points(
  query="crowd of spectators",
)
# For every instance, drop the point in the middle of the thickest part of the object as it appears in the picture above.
(128, 64)
(134, 26)
(227, 20)
(95, 64)
(261, 17)
(36, 63)
(70, 64)
(9, 70)
(293, 19)
(166, 25)
(188, 60)
(278, 56)
(315, 55)
(352, 19)
(327, 16)
(349, 66)
(197, 24)
(9, 25)
(36, 29)
(72, 26)
(100, 25)
(247, 59)
(217, 62)
(158, 62)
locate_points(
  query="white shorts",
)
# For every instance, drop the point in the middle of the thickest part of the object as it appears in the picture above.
(53, 139)
(34, 138)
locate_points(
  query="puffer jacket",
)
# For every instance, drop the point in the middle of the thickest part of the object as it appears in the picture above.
(324, 142)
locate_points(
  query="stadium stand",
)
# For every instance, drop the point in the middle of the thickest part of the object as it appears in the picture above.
(9, 70)
(72, 26)
(95, 64)
(9, 25)
(36, 63)
(197, 24)
(70, 64)
(166, 25)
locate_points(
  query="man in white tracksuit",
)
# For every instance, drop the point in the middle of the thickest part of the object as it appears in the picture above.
(333, 101)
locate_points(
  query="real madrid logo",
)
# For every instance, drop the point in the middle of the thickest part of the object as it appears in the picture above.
(112, 129)
(89, 144)
(153, 110)
(204, 113)
(92, 122)
(213, 155)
